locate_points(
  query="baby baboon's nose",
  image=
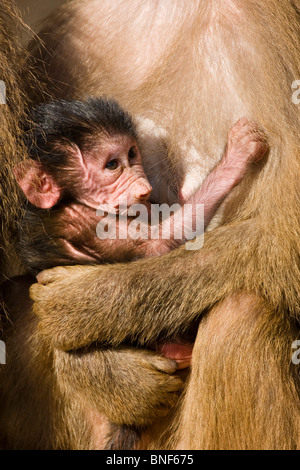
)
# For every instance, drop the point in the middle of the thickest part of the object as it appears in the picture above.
(143, 190)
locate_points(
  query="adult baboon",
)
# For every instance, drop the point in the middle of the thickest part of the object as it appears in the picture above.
(188, 72)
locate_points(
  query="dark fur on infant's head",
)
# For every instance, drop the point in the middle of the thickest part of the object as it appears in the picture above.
(60, 124)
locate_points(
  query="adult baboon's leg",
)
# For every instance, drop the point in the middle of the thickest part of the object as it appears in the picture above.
(244, 389)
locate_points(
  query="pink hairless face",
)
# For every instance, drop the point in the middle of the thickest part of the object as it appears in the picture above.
(113, 172)
(108, 174)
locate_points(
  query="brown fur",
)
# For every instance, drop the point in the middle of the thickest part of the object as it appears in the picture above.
(193, 71)
(12, 151)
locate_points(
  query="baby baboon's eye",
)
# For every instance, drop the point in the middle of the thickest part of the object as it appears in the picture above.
(132, 153)
(112, 165)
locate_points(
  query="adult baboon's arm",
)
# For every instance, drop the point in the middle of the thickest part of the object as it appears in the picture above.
(154, 298)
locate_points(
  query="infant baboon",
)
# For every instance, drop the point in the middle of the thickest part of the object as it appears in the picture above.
(85, 155)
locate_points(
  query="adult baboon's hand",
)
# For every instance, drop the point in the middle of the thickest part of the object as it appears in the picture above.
(58, 301)
(129, 386)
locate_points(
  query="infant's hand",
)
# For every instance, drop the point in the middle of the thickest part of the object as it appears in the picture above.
(247, 143)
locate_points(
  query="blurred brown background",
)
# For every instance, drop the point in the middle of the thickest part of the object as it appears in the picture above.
(34, 11)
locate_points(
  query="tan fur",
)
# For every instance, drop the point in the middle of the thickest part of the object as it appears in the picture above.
(194, 70)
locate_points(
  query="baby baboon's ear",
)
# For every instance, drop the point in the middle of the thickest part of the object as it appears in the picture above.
(38, 186)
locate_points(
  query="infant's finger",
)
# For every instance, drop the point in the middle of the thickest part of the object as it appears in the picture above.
(253, 143)
(260, 136)
(238, 127)
(238, 130)
(241, 134)
(247, 138)
(242, 122)
(257, 130)
(262, 149)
